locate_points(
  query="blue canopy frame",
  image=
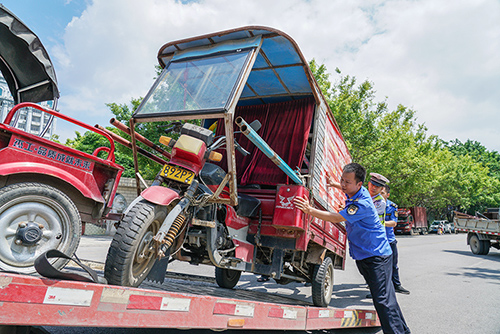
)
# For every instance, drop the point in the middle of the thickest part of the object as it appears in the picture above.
(280, 72)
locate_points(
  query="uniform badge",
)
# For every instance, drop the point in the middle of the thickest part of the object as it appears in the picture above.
(396, 214)
(352, 209)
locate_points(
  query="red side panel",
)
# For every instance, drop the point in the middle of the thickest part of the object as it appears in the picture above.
(24, 155)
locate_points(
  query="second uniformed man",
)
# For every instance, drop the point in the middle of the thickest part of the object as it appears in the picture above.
(391, 220)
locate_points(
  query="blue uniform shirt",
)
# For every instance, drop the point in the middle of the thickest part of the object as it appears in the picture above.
(391, 214)
(365, 233)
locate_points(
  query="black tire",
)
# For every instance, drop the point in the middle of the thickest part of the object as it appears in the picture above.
(129, 261)
(477, 246)
(485, 244)
(322, 283)
(227, 278)
(50, 214)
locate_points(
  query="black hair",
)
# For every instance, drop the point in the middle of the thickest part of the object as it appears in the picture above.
(387, 188)
(358, 170)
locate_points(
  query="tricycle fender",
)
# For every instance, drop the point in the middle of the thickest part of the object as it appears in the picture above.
(159, 195)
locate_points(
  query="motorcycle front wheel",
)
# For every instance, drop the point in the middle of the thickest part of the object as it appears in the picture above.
(132, 252)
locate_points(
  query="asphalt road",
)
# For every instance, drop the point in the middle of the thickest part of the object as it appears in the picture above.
(452, 290)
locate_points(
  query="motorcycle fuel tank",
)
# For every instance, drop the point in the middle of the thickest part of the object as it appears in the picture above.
(286, 215)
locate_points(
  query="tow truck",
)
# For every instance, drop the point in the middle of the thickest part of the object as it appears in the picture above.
(28, 300)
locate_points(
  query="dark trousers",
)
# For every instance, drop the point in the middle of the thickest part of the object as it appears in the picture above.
(395, 268)
(377, 271)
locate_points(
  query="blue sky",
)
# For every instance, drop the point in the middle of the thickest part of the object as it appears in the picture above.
(437, 57)
(47, 18)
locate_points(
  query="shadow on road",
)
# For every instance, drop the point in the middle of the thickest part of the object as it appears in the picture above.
(493, 256)
(347, 295)
(483, 273)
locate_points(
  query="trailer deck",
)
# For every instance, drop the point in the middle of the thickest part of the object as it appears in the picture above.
(33, 301)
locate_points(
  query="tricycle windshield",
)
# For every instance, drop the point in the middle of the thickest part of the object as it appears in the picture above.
(195, 85)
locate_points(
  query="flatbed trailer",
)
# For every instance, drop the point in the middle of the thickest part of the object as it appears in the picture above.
(27, 300)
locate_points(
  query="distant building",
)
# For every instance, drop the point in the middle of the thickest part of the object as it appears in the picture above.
(30, 120)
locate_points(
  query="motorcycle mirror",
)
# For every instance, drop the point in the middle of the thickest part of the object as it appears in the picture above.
(255, 125)
(173, 126)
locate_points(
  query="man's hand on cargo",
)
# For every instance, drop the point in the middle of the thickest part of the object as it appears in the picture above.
(303, 205)
(331, 181)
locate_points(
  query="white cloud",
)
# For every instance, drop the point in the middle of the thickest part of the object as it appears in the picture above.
(437, 57)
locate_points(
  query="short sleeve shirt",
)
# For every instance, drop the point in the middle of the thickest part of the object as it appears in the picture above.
(391, 211)
(366, 235)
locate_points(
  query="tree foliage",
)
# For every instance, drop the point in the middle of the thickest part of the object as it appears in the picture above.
(423, 170)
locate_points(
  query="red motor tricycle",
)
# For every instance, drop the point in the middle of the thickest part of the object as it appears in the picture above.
(225, 197)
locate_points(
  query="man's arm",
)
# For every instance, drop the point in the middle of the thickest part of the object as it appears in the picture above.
(390, 223)
(393, 222)
(303, 205)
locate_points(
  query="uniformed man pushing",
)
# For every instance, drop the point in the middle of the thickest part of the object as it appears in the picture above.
(368, 245)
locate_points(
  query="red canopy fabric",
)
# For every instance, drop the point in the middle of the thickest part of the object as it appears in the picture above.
(285, 128)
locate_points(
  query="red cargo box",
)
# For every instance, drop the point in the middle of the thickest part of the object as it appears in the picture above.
(285, 213)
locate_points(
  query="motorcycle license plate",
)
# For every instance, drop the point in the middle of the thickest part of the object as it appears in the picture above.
(177, 174)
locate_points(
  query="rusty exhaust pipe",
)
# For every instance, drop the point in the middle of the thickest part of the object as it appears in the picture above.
(126, 143)
(140, 138)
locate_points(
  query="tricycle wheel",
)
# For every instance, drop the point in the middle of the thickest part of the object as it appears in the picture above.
(227, 278)
(133, 251)
(322, 283)
(35, 218)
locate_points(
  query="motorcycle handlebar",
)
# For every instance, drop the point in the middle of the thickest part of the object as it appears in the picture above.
(240, 149)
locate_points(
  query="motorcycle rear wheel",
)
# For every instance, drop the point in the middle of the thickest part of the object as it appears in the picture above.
(132, 252)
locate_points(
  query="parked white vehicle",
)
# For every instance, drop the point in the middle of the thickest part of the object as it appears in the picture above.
(435, 226)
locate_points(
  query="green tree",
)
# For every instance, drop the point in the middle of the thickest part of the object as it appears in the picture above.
(424, 170)
(478, 152)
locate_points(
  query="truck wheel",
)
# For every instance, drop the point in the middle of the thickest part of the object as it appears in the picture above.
(322, 284)
(132, 252)
(485, 247)
(35, 218)
(227, 278)
(479, 247)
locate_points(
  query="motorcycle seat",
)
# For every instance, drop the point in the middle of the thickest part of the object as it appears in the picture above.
(248, 206)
